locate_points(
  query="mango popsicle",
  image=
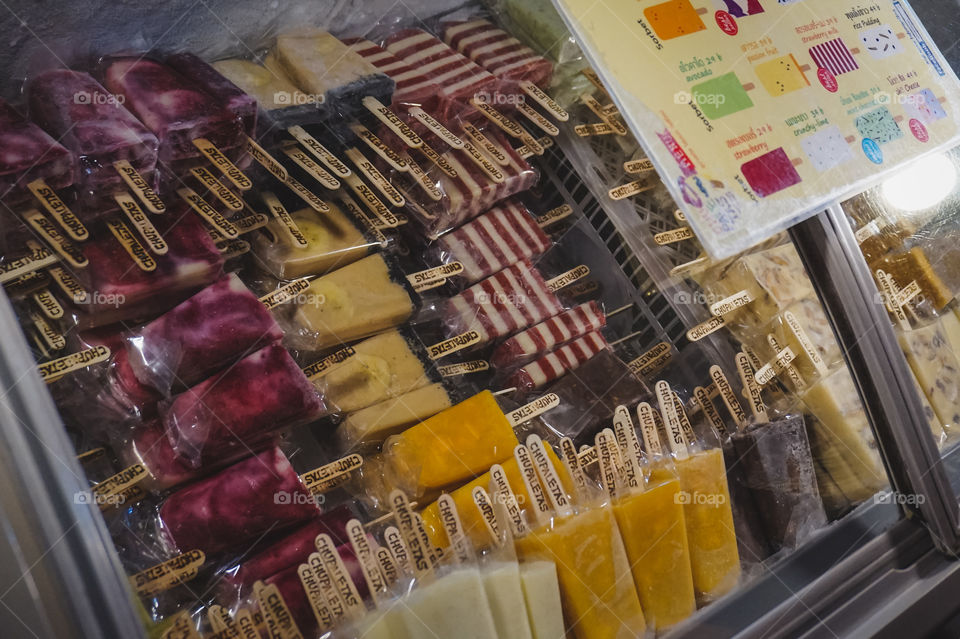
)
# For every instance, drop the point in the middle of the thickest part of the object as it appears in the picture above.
(454, 445)
(655, 538)
(332, 240)
(369, 426)
(357, 300)
(598, 594)
(541, 593)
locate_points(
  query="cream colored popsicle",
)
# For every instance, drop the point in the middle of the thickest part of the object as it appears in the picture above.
(382, 624)
(383, 367)
(357, 300)
(501, 582)
(541, 592)
(332, 241)
(935, 364)
(263, 84)
(373, 424)
(452, 606)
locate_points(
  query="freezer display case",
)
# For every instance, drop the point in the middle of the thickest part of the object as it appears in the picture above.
(369, 320)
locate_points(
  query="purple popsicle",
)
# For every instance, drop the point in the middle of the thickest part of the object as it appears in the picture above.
(91, 122)
(237, 505)
(27, 153)
(241, 407)
(208, 331)
(173, 108)
(241, 104)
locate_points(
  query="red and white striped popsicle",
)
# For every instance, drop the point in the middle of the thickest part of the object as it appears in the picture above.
(555, 365)
(504, 303)
(546, 336)
(455, 77)
(502, 236)
(414, 86)
(497, 51)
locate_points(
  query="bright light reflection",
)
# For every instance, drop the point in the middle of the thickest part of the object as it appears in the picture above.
(921, 185)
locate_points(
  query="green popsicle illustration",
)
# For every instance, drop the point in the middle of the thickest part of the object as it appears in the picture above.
(722, 96)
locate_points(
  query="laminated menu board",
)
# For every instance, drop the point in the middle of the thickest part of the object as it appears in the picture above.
(758, 113)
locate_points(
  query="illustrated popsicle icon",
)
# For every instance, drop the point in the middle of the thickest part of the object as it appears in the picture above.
(674, 19)
(782, 75)
(771, 172)
(722, 96)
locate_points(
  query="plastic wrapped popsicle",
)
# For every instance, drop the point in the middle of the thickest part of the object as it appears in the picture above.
(321, 65)
(556, 364)
(547, 335)
(177, 111)
(541, 593)
(456, 77)
(369, 426)
(237, 505)
(414, 87)
(331, 239)
(29, 154)
(384, 366)
(128, 291)
(710, 529)
(240, 103)
(98, 130)
(454, 605)
(914, 266)
(511, 300)
(935, 364)
(273, 90)
(501, 237)
(452, 446)
(201, 335)
(497, 51)
(355, 301)
(207, 421)
(501, 583)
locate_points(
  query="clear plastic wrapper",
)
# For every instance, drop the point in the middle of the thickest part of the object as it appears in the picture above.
(541, 592)
(94, 125)
(332, 239)
(752, 542)
(450, 447)
(240, 103)
(779, 471)
(556, 364)
(278, 97)
(370, 426)
(589, 398)
(28, 154)
(498, 52)
(913, 268)
(382, 367)
(241, 407)
(353, 302)
(413, 86)
(321, 65)
(931, 353)
(173, 108)
(121, 290)
(501, 237)
(237, 505)
(542, 338)
(201, 335)
(453, 605)
(513, 299)
(501, 583)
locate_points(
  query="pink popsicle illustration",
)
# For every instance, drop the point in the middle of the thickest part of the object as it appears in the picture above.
(771, 172)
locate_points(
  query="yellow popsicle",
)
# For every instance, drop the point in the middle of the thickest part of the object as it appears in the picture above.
(655, 537)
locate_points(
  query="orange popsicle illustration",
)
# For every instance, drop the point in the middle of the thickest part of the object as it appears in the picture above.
(674, 19)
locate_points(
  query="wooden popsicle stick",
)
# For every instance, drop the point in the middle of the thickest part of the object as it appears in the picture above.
(728, 396)
(540, 506)
(783, 361)
(731, 303)
(52, 236)
(399, 552)
(508, 126)
(505, 495)
(480, 140)
(267, 161)
(570, 459)
(334, 164)
(490, 169)
(302, 159)
(674, 236)
(372, 201)
(217, 158)
(206, 177)
(420, 556)
(276, 612)
(139, 185)
(757, 407)
(209, 214)
(58, 210)
(48, 304)
(630, 189)
(380, 148)
(597, 109)
(566, 279)
(554, 215)
(142, 223)
(685, 424)
(610, 478)
(367, 560)
(341, 578)
(373, 175)
(630, 449)
(450, 519)
(668, 411)
(537, 119)
(648, 427)
(464, 368)
(706, 404)
(749, 86)
(549, 478)
(322, 608)
(392, 121)
(544, 100)
(437, 127)
(287, 222)
(485, 506)
(323, 478)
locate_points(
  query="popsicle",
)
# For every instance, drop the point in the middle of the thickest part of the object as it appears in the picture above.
(547, 335)
(673, 19)
(770, 173)
(655, 539)
(589, 398)
(556, 364)
(207, 421)
(544, 29)
(173, 108)
(94, 125)
(721, 96)
(383, 367)
(511, 300)
(201, 335)
(781, 75)
(237, 505)
(355, 301)
(237, 101)
(453, 606)
(148, 445)
(452, 446)
(501, 237)
(125, 291)
(271, 88)
(598, 594)
(332, 240)
(456, 77)
(541, 593)
(369, 426)
(497, 51)
(934, 362)
(501, 583)
(914, 266)
(28, 154)
(321, 65)
(414, 87)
